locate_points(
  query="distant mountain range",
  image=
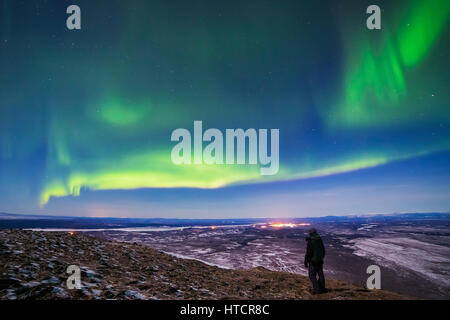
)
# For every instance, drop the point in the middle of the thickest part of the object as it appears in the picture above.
(10, 220)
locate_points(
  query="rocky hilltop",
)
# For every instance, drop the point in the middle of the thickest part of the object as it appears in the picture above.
(33, 265)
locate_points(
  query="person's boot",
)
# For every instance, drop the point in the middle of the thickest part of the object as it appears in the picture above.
(313, 292)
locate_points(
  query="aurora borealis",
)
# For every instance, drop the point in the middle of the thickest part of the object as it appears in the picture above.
(86, 115)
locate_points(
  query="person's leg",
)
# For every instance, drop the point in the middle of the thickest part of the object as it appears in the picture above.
(312, 272)
(321, 278)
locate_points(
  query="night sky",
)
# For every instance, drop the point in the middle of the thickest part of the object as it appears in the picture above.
(86, 115)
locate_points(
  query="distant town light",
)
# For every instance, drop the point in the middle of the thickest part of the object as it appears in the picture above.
(288, 225)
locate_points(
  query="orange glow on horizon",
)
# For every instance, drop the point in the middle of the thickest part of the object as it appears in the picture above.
(288, 225)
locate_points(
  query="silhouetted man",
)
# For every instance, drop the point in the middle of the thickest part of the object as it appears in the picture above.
(315, 252)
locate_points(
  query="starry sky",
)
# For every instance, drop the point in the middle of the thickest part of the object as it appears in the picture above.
(86, 115)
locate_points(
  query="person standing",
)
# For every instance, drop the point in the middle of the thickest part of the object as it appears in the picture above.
(315, 252)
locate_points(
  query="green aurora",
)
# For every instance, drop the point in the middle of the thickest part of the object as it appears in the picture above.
(96, 107)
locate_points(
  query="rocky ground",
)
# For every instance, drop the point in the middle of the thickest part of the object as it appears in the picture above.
(33, 266)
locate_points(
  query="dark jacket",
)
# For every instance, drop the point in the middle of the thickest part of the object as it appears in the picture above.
(315, 250)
